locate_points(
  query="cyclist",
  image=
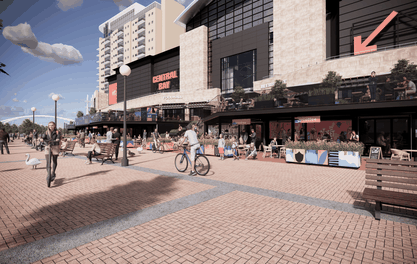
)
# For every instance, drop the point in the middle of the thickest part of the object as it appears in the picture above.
(156, 137)
(191, 137)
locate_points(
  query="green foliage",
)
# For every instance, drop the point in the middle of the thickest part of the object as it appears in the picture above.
(14, 128)
(321, 91)
(264, 97)
(80, 114)
(329, 146)
(332, 80)
(92, 111)
(279, 90)
(403, 68)
(71, 122)
(238, 93)
(26, 127)
(343, 101)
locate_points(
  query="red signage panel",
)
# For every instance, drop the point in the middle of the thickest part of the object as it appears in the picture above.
(113, 94)
(307, 119)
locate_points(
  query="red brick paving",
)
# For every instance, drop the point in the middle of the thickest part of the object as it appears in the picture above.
(80, 195)
(247, 228)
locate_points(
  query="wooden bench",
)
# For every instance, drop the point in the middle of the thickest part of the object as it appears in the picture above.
(70, 148)
(107, 152)
(399, 178)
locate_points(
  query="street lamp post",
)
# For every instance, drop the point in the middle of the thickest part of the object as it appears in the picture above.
(33, 129)
(55, 97)
(125, 71)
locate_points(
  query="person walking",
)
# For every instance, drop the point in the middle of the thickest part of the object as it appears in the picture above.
(109, 135)
(82, 138)
(53, 137)
(220, 146)
(90, 136)
(235, 145)
(116, 140)
(253, 136)
(4, 137)
(35, 138)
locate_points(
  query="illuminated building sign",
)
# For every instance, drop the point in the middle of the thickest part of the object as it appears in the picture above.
(166, 80)
(113, 93)
(307, 119)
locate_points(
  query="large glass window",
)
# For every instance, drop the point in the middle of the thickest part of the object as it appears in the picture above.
(174, 114)
(238, 70)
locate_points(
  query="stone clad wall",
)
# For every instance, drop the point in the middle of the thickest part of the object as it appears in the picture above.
(354, 66)
(299, 34)
(193, 60)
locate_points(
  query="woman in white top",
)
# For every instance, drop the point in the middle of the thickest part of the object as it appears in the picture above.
(95, 151)
(221, 146)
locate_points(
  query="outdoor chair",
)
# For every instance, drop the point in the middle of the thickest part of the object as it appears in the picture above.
(267, 149)
(397, 154)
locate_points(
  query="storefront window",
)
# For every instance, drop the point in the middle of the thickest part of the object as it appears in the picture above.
(400, 134)
(238, 70)
(337, 130)
(174, 114)
(196, 113)
(281, 130)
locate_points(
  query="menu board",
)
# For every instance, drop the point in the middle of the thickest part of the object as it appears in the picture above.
(375, 153)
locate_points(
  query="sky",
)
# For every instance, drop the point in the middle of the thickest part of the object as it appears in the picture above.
(50, 47)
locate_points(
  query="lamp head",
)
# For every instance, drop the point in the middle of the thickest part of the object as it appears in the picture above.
(125, 70)
(55, 97)
(33, 109)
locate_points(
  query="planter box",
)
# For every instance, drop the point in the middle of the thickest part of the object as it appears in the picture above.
(322, 157)
(325, 99)
(295, 155)
(264, 104)
(333, 158)
(349, 159)
(209, 149)
(311, 156)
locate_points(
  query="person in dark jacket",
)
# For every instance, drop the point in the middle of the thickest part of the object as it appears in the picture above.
(4, 138)
(53, 138)
(372, 86)
(116, 140)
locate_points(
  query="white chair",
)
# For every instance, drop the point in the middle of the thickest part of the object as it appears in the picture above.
(282, 152)
(267, 149)
(400, 155)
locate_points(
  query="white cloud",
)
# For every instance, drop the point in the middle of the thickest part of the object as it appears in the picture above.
(25, 101)
(21, 35)
(60, 96)
(15, 93)
(15, 100)
(122, 4)
(65, 5)
(59, 53)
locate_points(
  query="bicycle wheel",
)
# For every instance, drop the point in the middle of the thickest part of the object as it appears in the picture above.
(181, 162)
(161, 149)
(154, 148)
(202, 165)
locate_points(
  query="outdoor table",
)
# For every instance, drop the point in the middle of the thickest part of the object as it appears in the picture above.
(411, 150)
(401, 89)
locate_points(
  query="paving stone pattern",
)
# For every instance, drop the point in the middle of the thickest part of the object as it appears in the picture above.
(241, 212)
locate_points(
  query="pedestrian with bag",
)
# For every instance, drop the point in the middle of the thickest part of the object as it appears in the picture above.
(53, 138)
(4, 137)
(116, 140)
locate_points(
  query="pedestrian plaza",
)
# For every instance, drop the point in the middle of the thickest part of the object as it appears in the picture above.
(241, 212)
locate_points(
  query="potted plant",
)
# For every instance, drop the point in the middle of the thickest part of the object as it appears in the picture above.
(279, 91)
(264, 101)
(328, 90)
(325, 153)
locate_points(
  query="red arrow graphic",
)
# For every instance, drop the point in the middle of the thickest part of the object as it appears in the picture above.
(361, 48)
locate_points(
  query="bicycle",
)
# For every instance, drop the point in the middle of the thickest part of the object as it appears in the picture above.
(159, 147)
(202, 164)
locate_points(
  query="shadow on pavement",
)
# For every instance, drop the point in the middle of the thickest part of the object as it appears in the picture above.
(12, 170)
(59, 181)
(91, 208)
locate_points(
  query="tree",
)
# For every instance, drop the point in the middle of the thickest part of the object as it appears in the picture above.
(26, 126)
(71, 123)
(403, 68)
(1, 64)
(80, 114)
(92, 111)
(332, 81)
(15, 129)
(238, 93)
(279, 90)
(8, 128)
(132, 110)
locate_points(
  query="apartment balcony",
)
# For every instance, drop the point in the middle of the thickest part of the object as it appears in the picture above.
(120, 48)
(141, 32)
(120, 33)
(98, 61)
(107, 58)
(107, 63)
(120, 37)
(141, 40)
(141, 47)
(141, 22)
(120, 55)
(119, 41)
(140, 56)
(120, 59)
(107, 49)
(107, 55)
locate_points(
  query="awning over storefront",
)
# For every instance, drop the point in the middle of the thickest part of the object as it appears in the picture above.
(171, 106)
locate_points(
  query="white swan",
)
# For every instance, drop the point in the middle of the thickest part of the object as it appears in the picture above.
(139, 149)
(33, 162)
